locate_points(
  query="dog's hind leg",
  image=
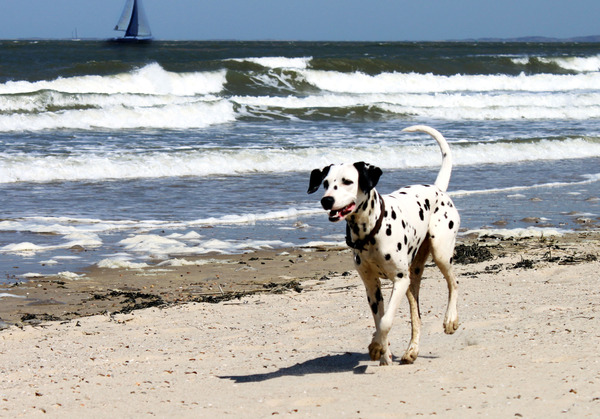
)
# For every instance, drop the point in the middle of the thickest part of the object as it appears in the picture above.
(442, 256)
(416, 272)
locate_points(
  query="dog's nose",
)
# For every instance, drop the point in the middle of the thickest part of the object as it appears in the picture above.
(327, 202)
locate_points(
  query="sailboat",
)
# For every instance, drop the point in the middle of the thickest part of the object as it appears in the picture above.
(133, 21)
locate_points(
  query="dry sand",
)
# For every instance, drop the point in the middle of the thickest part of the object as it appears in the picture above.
(527, 345)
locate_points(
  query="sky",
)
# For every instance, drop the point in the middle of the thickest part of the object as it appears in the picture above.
(308, 20)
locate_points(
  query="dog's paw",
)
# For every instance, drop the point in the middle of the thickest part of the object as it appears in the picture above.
(375, 351)
(450, 326)
(410, 356)
(386, 358)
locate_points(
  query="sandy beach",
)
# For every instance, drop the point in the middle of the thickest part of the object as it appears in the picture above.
(276, 333)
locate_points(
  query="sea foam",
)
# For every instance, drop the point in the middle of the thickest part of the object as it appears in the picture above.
(333, 81)
(27, 167)
(277, 62)
(151, 79)
(577, 64)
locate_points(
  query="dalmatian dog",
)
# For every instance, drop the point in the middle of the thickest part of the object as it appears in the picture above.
(392, 236)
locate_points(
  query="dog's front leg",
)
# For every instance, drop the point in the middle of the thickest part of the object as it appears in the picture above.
(379, 347)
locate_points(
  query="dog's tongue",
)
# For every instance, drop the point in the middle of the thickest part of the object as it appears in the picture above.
(336, 215)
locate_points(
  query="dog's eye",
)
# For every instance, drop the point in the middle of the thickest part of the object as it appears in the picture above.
(347, 182)
(326, 185)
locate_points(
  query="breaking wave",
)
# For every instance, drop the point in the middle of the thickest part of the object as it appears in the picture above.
(27, 167)
(289, 88)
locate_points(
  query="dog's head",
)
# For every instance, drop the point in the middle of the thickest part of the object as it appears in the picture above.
(346, 187)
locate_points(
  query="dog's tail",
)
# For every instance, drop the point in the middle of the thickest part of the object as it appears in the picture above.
(443, 177)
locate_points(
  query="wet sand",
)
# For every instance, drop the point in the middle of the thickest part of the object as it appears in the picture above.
(286, 333)
(212, 278)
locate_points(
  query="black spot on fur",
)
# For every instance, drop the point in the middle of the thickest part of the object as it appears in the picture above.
(374, 308)
(388, 256)
(417, 271)
(427, 206)
(403, 224)
(405, 240)
(388, 231)
(400, 275)
(421, 216)
(393, 215)
(451, 224)
(399, 246)
(378, 295)
(436, 210)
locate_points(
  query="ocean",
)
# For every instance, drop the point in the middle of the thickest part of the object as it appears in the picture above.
(126, 156)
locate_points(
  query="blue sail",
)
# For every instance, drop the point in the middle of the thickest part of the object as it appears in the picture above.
(133, 21)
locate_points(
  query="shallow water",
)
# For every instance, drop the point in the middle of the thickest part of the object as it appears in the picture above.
(186, 148)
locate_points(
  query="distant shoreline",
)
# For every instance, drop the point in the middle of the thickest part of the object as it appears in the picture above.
(524, 39)
(541, 39)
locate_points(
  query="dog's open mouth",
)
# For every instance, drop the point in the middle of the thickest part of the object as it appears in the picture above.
(337, 215)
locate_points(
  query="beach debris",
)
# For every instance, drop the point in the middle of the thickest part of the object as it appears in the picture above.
(271, 287)
(465, 254)
(36, 319)
(524, 264)
(132, 300)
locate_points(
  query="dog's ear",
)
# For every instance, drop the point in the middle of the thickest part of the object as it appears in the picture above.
(316, 177)
(368, 175)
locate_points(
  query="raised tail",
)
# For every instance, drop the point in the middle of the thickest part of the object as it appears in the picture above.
(443, 177)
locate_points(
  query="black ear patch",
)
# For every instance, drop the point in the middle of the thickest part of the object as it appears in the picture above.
(368, 175)
(316, 177)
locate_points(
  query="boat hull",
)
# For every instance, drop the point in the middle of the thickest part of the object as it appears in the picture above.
(130, 41)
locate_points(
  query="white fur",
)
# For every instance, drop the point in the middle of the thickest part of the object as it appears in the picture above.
(417, 221)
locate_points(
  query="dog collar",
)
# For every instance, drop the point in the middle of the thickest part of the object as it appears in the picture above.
(361, 243)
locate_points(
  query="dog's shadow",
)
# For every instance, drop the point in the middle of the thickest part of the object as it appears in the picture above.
(345, 362)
